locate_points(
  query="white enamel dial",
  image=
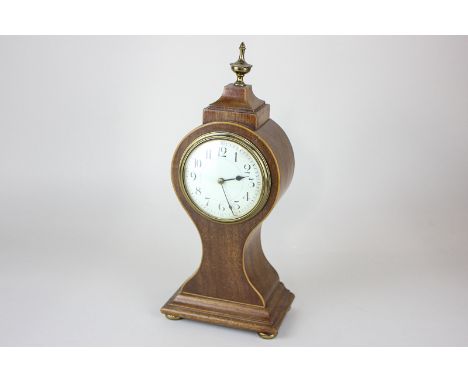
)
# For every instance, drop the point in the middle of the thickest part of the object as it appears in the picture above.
(225, 177)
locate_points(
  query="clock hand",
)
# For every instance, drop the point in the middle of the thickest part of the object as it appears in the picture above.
(229, 204)
(238, 177)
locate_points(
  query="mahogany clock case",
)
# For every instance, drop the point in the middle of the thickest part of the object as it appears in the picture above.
(240, 288)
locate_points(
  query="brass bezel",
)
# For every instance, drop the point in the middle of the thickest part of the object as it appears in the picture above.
(247, 145)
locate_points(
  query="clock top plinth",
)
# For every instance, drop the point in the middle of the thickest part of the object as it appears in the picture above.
(238, 104)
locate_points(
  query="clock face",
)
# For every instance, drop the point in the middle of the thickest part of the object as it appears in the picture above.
(225, 177)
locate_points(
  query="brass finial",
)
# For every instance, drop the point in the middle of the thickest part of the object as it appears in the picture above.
(241, 67)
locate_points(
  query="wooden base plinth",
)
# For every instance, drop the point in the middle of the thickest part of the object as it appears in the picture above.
(266, 320)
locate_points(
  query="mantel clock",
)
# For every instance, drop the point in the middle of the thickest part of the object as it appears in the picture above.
(228, 174)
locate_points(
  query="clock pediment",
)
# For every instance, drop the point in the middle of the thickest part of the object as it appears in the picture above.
(238, 104)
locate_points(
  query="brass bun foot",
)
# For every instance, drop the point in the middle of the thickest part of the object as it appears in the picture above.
(172, 317)
(266, 336)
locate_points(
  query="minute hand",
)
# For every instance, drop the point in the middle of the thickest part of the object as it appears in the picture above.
(229, 204)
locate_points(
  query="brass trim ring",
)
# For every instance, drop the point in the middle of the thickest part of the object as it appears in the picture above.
(247, 145)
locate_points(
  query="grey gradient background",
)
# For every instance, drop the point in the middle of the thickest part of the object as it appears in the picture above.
(372, 235)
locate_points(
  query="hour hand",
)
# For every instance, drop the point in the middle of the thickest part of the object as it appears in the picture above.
(238, 177)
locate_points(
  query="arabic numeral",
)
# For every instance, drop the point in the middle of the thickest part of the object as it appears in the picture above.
(222, 152)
